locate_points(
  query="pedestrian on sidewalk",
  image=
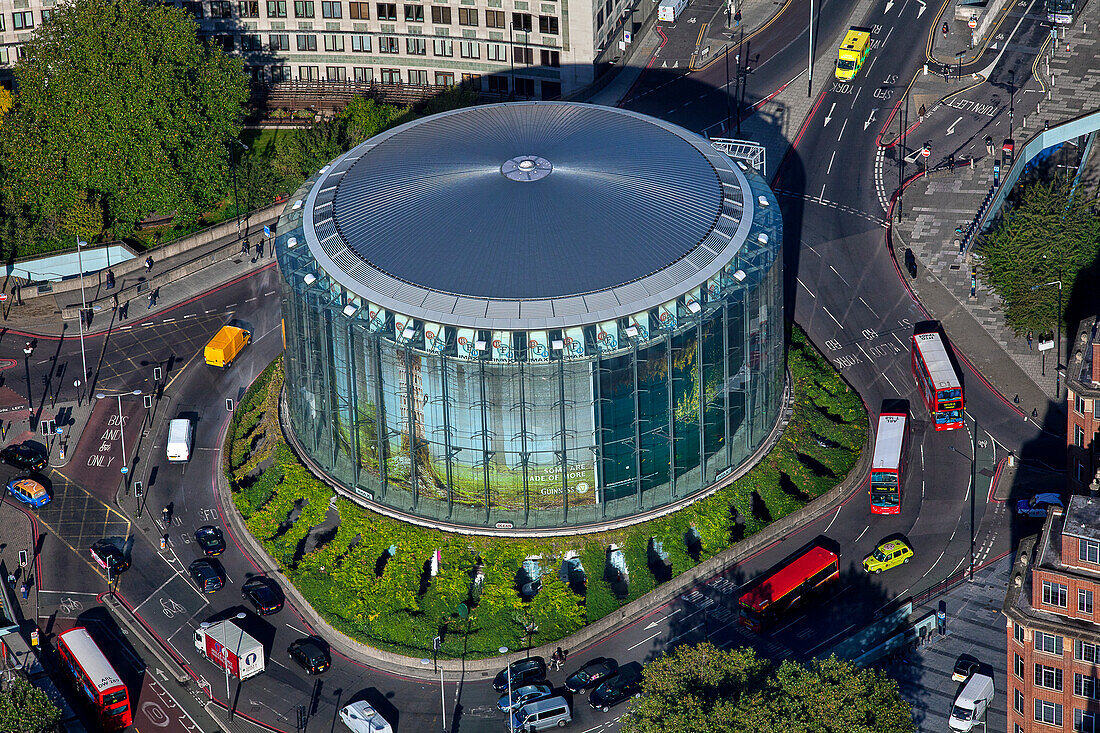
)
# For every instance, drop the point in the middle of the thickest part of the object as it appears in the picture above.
(25, 590)
(260, 248)
(148, 264)
(554, 661)
(110, 279)
(245, 246)
(153, 297)
(921, 113)
(11, 581)
(1029, 339)
(124, 311)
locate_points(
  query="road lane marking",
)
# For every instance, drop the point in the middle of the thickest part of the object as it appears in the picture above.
(832, 316)
(862, 533)
(649, 638)
(861, 300)
(294, 628)
(842, 130)
(807, 289)
(856, 96)
(840, 276)
(888, 380)
(833, 519)
(830, 168)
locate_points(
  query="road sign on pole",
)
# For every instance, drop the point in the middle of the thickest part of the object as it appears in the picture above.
(973, 22)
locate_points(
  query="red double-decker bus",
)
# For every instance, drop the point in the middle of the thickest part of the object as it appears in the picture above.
(939, 385)
(784, 588)
(888, 463)
(95, 676)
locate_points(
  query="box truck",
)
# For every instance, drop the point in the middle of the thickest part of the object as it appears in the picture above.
(853, 52)
(226, 344)
(230, 648)
(179, 440)
(971, 704)
(669, 10)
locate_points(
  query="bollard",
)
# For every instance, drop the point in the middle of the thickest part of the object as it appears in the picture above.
(1011, 459)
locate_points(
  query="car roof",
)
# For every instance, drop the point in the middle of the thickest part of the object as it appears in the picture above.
(892, 545)
(31, 486)
(208, 529)
(1050, 497)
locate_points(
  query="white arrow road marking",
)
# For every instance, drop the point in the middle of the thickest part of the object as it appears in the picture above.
(889, 5)
(829, 116)
(870, 119)
(923, 7)
(951, 130)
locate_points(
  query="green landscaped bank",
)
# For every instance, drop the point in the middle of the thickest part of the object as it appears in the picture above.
(341, 562)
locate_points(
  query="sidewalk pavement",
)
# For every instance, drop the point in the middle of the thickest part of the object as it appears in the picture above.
(17, 532)
(934, 206)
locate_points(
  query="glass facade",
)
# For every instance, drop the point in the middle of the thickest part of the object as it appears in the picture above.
(538, 429)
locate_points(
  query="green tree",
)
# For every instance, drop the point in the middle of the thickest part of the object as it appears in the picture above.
(121, 110)
(25, 709)
(703, 689)
(363, 118)
(1048, 235)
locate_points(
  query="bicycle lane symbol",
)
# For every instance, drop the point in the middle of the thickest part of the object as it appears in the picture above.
(69, 605)
(170, 607)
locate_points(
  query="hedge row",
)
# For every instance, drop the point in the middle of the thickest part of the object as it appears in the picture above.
(340, 557)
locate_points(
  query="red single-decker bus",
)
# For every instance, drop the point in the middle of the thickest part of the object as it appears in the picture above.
(888, 463)
(939, 385)
(778, 592)
(95, 676)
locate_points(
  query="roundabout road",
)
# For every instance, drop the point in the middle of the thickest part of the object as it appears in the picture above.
(843, 288)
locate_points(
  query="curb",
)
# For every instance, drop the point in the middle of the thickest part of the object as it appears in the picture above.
(457, 670)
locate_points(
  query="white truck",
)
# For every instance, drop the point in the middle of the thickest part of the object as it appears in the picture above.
(179, 440)
(669, 10)
(971, 704)
(230, 648)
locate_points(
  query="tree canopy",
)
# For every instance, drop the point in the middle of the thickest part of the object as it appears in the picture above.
(1047, 236)
(704, 689)
(120, 112)
(25, 709)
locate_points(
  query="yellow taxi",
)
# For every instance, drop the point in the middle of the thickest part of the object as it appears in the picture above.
(887, 555)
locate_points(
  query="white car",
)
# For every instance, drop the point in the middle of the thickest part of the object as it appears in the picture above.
(362, 718)
(1037, 505)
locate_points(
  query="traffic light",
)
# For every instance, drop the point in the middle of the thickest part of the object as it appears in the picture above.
(139, 490)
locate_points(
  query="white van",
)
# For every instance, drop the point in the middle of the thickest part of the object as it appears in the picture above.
(551, 712)
(972, 702)
(360, 717)
(669, 10)
(179, 440)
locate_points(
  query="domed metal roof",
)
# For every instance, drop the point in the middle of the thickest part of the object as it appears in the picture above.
(548, 210)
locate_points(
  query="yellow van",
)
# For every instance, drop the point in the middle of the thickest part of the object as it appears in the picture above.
(853, 52)
(226, 344)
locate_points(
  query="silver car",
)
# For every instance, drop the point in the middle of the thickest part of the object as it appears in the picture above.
(523, 695)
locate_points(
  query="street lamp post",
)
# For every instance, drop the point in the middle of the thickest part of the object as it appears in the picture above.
(508, 670)
(1058, 350)
(121, 427)
(83, 309)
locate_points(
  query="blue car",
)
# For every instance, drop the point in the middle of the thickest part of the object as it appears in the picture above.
(1037, 505)
(524, 695)
(29, 491)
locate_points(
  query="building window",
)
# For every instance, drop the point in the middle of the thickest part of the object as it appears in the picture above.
(47, 13)
(1018, 633)
(363, 73)
(548, 24)
(525, 87)
(1049, 678)
(472, 81)
(303, 8)
(418, 77)
(550, 58)
(443, 47)
(416, 47)
(388, 44)
(1055, 594)
(444, 79)
(391, 76)
(279, 42)
(1085, 686)
(441, 14)
(551, 89)
(1084, 722)
(280, 73)
(521, 21)
(22, 20)
(1018, 701)
(359, 11)
(1082, 651)
(1017, 728)
(1084, 600)
(469, 49)
(194, 7)
(523, 55)
(276, 8)
(334, 43)
(1049, 643)
(496, 52)
(307, 42)
(1079, 404)
(414, 13)
(360, 43)
(331, 9)
(226, 42)
(221, 9)
(336, 73)
(309, 73)
(1089, 551)
(498, 84)
(387, 11)
(1018, 665)
(251, 42)
(2, 28)
(467, 16)
(494, 18)
(1048, 712)
(248, 8)
(1078, 436)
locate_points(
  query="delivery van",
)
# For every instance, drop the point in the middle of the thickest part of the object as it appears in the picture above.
(971, 704)
(226, 345)
(550, 712)
(853, 52)
(669, 10)
(179, 440)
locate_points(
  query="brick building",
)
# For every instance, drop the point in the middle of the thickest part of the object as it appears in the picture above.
(1083, 405)
(540, 49)
(1053, 624)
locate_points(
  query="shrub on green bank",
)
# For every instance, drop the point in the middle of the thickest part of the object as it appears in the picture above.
(368, 574)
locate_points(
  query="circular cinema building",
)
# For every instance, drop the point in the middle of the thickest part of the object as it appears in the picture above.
(532, 316)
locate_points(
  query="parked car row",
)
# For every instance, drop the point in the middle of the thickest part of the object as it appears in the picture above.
(534, 705)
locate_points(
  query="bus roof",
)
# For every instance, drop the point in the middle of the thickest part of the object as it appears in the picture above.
(87, 654)
(936, 361)
(788, 578)
(888, 441)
